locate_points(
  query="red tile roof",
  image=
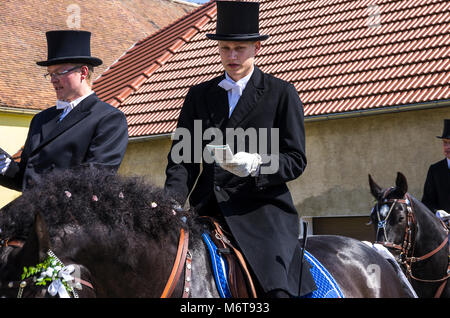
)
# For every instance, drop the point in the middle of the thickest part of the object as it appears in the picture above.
(134, 67)
(342, 56)
(115, 26)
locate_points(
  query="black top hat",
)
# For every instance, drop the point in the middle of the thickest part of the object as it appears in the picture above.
(69, 46)
(237, 21)
(446, 132)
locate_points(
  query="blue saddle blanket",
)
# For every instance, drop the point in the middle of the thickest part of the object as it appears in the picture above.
(326, 285)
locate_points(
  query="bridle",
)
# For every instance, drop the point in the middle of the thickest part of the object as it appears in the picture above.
(183, 261)
(12, 243)
(407, 247)
(30, 281)
(408, 242)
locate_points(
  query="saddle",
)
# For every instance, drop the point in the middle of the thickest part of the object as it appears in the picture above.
(239, 283)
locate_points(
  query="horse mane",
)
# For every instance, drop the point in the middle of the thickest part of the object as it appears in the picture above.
(86, 197)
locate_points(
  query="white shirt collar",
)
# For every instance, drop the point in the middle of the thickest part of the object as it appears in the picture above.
(71, 105)
(80, 99)
(243, 81)
(448, 163)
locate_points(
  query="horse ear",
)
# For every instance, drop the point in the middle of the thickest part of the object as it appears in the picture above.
(375, 189)
(37, 245)
(401, 183)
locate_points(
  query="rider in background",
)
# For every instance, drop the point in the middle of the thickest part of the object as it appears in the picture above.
(249, 199)
(436, 192)
(80, 129)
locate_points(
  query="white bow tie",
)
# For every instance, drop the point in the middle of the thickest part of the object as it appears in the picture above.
(62, 104)
(234, 87)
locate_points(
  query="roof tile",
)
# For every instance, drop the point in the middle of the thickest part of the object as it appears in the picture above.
(115, 26)
(341, 56)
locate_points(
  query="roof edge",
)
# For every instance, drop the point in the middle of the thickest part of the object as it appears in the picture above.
(21, 111)
(192, 4)
(379, 111)
(350, 114)
(149, 137)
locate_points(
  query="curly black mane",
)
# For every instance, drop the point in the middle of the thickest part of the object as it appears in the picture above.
(88, 196)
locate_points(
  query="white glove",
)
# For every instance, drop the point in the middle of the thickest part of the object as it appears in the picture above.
(4, 163)
(243, 164)
(441, 214)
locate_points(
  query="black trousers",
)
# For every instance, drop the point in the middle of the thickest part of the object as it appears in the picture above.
(211, 209)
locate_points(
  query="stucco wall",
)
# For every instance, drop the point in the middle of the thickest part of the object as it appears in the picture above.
(13, 133)
(147, 159)
(341, 153)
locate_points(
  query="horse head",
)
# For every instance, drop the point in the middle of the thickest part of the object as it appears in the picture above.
(390, 215)
(34, 270)
(417, 238)
(121, 231)
(30, 254)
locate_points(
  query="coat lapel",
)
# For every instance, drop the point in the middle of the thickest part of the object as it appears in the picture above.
(249, 99)
(54, 128)
(50, 125)
(217, 103)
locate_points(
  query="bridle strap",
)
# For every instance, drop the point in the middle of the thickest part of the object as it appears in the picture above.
(22, 284)
(12, 243)
(180, 261)
(84, 282)
(428, 255)
(408, 241)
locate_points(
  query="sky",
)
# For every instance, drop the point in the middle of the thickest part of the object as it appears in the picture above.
(197, 1)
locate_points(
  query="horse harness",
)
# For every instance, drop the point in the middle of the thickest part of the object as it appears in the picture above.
(241, 283)
(12, 243)
(182, 259)
(23, 283)
(406, 249)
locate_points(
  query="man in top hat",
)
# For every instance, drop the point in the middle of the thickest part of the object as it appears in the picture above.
(436, 191)
(247, 192)
(80, 129)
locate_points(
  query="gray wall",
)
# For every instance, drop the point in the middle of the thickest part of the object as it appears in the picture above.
(341, 153)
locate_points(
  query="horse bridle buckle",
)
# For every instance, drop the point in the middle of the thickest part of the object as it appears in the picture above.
(382, 224)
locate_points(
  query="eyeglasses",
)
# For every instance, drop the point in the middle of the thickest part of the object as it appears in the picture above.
(57, 75)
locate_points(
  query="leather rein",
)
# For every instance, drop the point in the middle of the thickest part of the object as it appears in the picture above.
(183, 259)
(406, 249)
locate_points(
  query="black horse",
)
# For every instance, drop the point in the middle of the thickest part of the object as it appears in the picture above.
(417, 238)
(123, 236)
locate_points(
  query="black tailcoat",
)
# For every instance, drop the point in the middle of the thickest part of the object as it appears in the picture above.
(94, 132)
(258, 210)
(436, 192)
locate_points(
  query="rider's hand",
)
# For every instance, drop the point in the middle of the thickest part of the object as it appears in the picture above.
(441, 214)
(243, 164)
(4, 163)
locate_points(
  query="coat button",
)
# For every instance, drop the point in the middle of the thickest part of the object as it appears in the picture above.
(218, 188)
